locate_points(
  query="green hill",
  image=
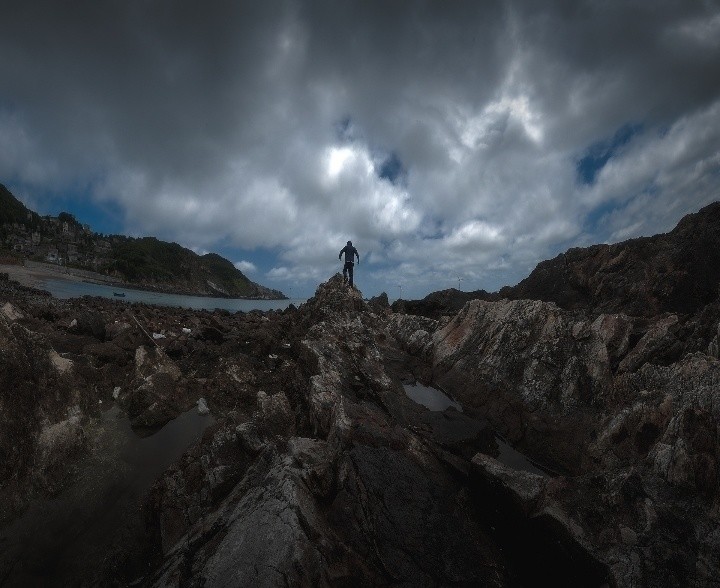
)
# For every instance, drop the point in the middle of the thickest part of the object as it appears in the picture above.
(152, 263)
(146, 262)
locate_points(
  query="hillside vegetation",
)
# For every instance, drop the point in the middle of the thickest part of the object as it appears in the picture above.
(151, 261)
(147, 262)
(11, 209)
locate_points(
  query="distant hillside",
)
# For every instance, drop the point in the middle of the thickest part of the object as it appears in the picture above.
(146, 262)
(674, 272)
(151, 262)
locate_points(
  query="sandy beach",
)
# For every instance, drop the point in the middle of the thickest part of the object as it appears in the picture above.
(34, 275)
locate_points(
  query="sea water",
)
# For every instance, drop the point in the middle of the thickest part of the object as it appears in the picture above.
(71, 289)
(434, 399)
(430, 398)
(60, 538)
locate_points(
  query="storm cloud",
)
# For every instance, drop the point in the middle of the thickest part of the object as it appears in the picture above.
(447, 139)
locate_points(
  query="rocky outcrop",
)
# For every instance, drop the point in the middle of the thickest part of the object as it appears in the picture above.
(678, 272)
(63, 362)
(637, 440)
(674, 273)
(320, 470)
(337, 487)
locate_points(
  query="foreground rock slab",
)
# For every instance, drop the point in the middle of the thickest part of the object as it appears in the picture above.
(319, 470)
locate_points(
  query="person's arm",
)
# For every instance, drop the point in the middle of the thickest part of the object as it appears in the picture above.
(358, 256)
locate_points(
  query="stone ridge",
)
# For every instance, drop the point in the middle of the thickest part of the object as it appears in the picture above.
(587, 451)
(676, 272)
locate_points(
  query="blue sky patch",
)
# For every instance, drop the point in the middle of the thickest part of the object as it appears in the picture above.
(391, 169)
(598, 154)
(106, 218)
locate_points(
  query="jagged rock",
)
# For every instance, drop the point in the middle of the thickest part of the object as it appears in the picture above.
(656, 340)
(414, 333)
(296, 516)
(524, 489)
(714, 345)
(440, 304)
(527, 367)
(155, 395)
(321, 470)
(57, 444)
(275, 416)
(203, 406)
(380, 303)
(678, 272)
(11, 312)
(38, 436)
(89, 322)
(659, 421)
(614, 330)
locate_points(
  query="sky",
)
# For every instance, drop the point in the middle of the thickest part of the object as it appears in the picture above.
(457, 144)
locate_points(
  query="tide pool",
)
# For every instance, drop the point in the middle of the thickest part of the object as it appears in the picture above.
(67, 289)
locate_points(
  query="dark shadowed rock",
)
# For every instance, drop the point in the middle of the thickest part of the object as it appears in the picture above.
(380, 303)
(88, 322)
(675, 272)
(442, 303)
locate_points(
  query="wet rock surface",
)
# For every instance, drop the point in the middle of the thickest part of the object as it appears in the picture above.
(319, 469)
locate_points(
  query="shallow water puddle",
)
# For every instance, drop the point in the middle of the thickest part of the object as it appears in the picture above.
(511, 457)
(61, 539)
(430, 398)
(436, 400)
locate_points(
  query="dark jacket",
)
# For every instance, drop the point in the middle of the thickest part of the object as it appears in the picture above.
(350, 253)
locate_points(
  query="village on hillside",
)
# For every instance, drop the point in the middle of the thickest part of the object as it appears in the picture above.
(59, 240)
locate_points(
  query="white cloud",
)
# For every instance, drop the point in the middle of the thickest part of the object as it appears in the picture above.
(265, 130)
(246, 267)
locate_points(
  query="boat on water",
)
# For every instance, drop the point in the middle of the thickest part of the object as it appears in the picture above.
(120, 294)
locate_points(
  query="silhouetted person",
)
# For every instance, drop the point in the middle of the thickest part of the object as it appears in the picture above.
(350, 254)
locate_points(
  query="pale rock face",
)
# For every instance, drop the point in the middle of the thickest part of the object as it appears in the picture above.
(275, 415)
(526, 348)
(11, 312)
(414, 333)
(61, 364)
(714, 345)
(614, 331)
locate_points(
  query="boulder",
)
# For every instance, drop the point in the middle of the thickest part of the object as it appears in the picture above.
(88, 322)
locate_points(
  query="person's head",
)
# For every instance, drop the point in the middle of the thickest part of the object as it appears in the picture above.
(349, 242)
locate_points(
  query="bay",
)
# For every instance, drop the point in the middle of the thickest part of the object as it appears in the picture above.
(69, 289)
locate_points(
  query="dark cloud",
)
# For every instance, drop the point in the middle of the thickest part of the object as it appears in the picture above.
(446, 137)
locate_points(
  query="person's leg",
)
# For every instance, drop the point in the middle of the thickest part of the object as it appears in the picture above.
(350, 271)
(345, 269)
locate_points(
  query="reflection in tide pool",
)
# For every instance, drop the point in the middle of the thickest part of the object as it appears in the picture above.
(434, 399)
(511, 457)
(70, 289)
(430, 398)
(62, 540)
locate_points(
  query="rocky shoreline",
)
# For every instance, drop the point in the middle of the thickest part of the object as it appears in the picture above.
(319, 470)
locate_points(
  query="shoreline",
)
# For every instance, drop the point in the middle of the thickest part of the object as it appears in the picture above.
(34, 276)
